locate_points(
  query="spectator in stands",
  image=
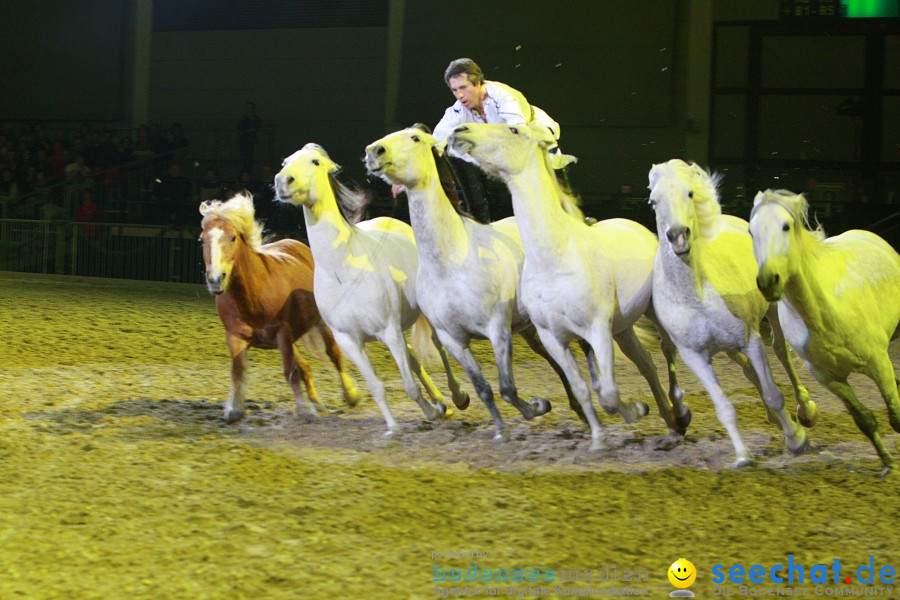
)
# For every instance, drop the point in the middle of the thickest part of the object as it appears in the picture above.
(88, 212)
(9, 193)
(210, 188)
(175, 203)
(248, 132)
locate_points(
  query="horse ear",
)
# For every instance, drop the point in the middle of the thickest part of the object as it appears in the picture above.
(760, 196)
(558, 160)
(204, 207)
(543, 134)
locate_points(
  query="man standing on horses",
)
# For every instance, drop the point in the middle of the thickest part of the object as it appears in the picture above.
(481, 101)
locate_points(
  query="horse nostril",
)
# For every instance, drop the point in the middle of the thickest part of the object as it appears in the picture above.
(670, 236)
(460, 129)
(777, 277)
(290, 179)
(687, 232)
(379, 151)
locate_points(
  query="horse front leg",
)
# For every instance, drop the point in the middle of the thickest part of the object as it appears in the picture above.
(633, 349)
(351, 393)
(234, 406)
(742, 361)
(459, 396)
(807, 410)
(794, 434)
(352, 346)
(702, 368)
(531, 338)
(863, 417)
(405, 358)
(501, 342)
(459, 350)
(563, 357)
(295, 366)
(881, 370)
(607, 389)
(670, 352)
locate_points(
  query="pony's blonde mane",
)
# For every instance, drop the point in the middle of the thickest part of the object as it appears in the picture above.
(239, 211)
(796, 205)
(704, 186)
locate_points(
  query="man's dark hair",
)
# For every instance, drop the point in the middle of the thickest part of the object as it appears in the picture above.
(464, 66)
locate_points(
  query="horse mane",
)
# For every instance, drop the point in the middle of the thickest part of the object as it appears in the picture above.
(351, 200)
(796, 205)
(240, 212)
(704, 187)
(571, 203)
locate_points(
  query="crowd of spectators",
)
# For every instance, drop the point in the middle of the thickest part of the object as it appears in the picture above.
(104, 174)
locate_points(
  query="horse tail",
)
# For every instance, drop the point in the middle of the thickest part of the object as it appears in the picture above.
(420, 338)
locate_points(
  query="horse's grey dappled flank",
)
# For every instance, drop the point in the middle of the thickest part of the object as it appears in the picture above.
(838, 302)
(264, 298)
(578, 282)
(469, 273)
(705, 296)
(365, 279)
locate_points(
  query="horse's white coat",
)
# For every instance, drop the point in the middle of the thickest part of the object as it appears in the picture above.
(705, 296)
(839, 301)
(578, 282)
(365, 279)
(469, 273)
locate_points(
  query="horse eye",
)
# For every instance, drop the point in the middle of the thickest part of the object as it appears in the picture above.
(515, 130)
(691, 194)
(233, 238)
(786, 227)
(315, 161)
(415, 138)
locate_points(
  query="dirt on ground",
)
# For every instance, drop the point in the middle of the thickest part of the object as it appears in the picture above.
(120, 477)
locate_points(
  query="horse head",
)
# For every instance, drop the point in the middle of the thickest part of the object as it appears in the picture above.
(685, 201)
(301, 173)
(226, 226)
(404, 157)
(500, 149)
(777, 221)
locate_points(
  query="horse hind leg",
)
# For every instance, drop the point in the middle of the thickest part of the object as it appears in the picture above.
(633, 349)
(807, 410)
(351, 393)
(311, 400)
(234, 406)
(794, 435)
(501, 341)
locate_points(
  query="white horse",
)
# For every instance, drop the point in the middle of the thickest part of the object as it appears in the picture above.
(838, 302)
(578, 282)
(705, 296)
(469, 273)
(365, 278)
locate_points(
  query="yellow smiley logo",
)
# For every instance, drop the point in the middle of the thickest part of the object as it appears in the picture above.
(682, 573)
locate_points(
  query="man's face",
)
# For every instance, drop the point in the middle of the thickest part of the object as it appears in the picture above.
(468, 94)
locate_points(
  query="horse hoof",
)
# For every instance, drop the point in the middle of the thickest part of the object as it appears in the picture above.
(597, 445)
(800, 445)
(462, 403)
(541, 406)
(684, 419)
(808, 415)
(743, 462)
(233, 415)
(440, 411)
(392, 433)
(502, 435)
(634, 411)
(885, 472)
(351, 398)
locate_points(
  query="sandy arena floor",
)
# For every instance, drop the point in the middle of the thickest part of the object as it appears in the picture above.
(120, 479)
